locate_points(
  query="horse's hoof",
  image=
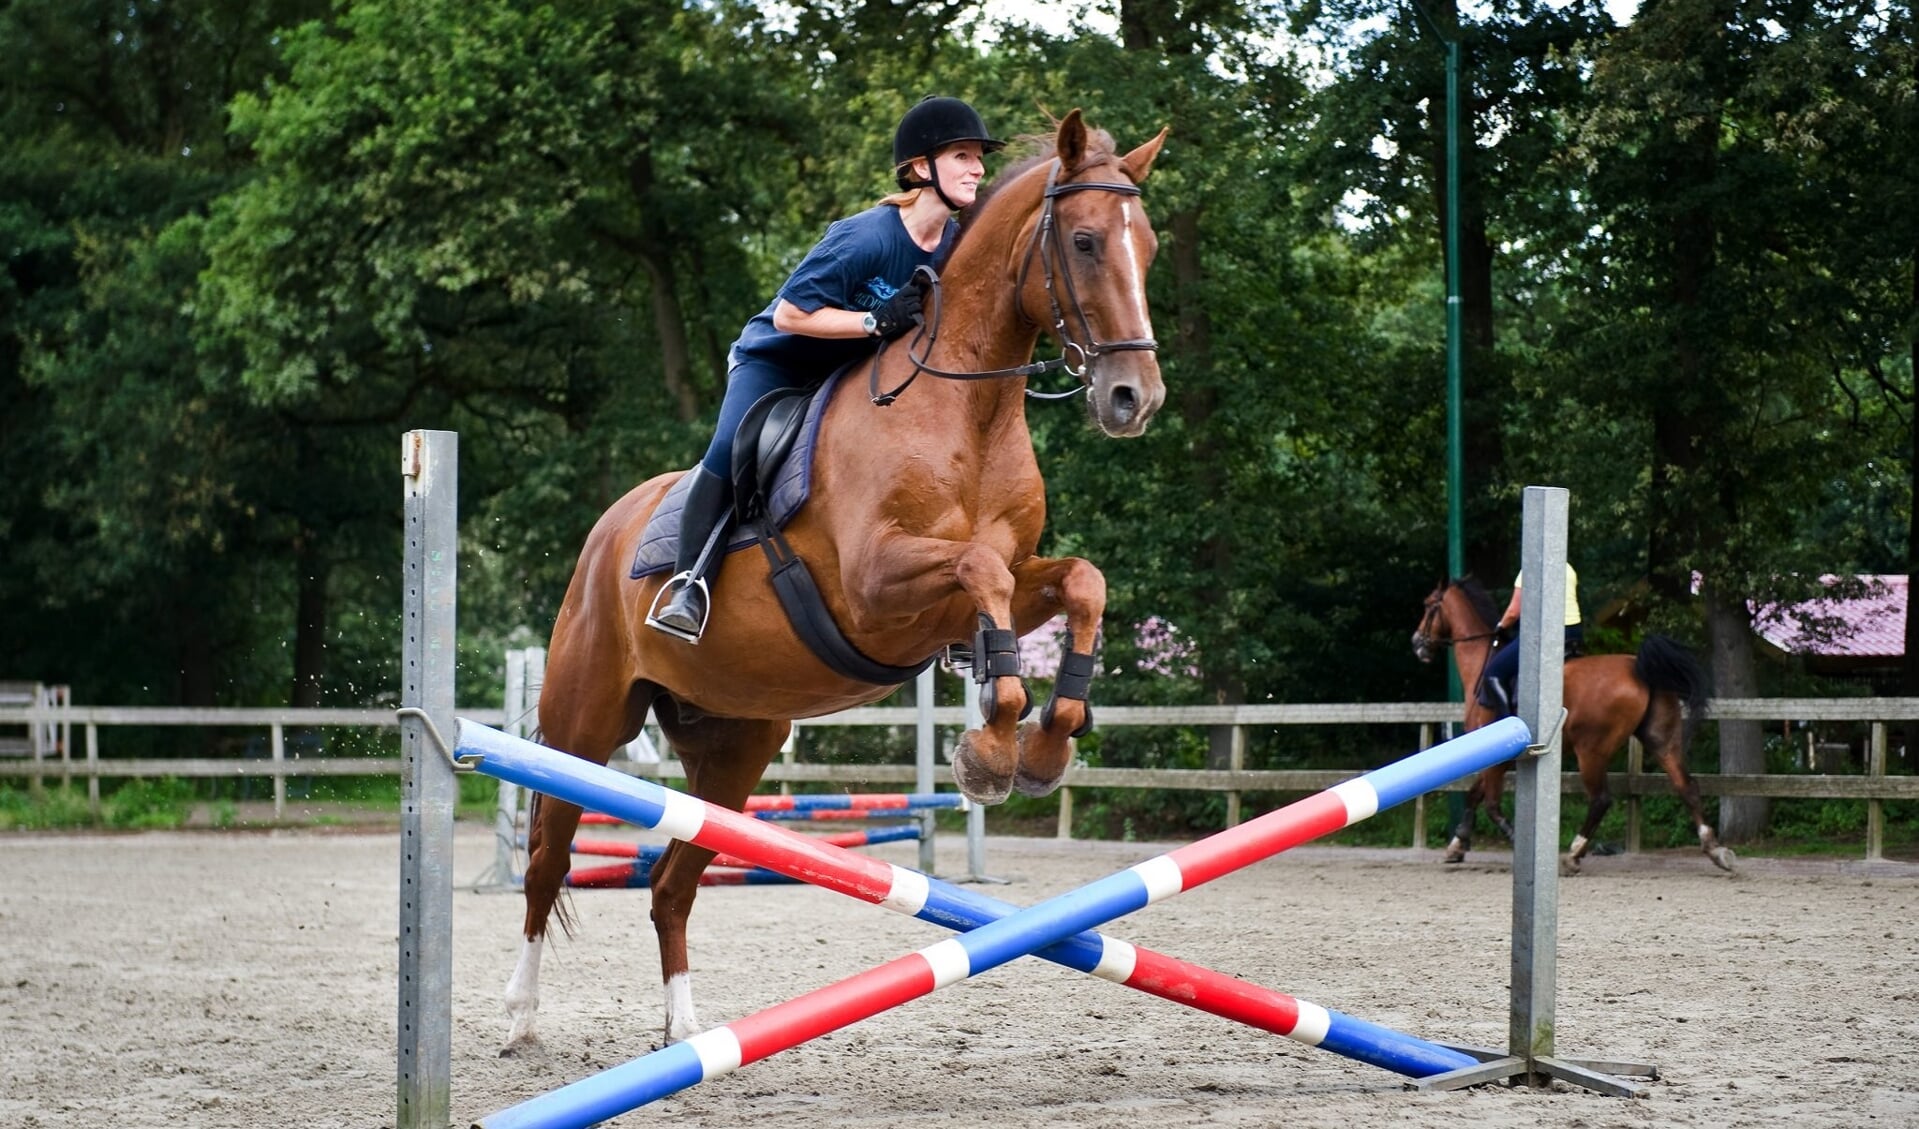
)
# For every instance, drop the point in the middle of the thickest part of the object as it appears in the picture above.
(1723, 858)
(977, 782)
(1033, 786)
(1028, 783)
(521, 1045)
(1455, 852)
(1569, 867)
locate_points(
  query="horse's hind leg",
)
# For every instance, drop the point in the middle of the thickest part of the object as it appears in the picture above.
(723, 758)
(1493, 798)
(1042, 587)
(552, 821)
(587, 718)
(1663, 733)
(1490, 782)
(1592, 774)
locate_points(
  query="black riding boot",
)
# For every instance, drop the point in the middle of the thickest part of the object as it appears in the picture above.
(1496, 696)
(685, 595)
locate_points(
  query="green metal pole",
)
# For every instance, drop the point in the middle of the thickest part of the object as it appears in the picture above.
(1455, 370)
(1455, 344)
(1455, 359)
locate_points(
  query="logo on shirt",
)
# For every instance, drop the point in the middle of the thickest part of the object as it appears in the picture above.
(876, 292)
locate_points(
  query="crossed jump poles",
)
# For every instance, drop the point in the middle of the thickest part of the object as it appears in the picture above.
(993, 932)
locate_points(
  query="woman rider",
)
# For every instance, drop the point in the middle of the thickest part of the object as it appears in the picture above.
(856, 287)
(1500, 678)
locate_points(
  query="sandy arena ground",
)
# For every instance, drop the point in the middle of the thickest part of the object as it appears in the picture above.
(247, 979)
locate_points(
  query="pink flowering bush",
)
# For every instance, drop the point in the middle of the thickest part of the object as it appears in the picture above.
(1162, 649)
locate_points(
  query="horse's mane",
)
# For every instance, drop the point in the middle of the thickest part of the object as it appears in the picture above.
(1476, 595)
(1037, 148)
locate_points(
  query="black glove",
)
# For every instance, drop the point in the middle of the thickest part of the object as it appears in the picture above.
(898, 314)
(1505, 634)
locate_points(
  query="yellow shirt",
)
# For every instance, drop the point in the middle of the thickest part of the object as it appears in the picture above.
(1572, 593)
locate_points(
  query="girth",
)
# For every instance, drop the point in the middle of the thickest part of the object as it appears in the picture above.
(773, 423)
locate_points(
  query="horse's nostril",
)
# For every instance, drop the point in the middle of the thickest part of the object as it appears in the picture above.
(1125, 403)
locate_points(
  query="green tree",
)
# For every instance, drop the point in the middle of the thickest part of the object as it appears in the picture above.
(1378, 153)
(127, 514)
(1704, 243)
(1259, 513)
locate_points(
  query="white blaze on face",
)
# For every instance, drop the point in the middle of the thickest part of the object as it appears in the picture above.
(1134, 266)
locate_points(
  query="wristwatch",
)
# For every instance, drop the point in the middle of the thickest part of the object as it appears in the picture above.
(870, 324)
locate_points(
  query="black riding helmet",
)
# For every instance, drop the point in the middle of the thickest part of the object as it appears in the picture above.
(930, 126)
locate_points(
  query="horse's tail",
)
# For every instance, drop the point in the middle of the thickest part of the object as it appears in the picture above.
(1667, 666)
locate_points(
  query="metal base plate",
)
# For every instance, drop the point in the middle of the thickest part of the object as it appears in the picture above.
(1605, 1076)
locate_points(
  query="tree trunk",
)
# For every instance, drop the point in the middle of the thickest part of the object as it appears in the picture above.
(1492, 523)
(193, 650)
(1686, 409)
(1742, 747)
(1157, 27)
(655, 252)
(669, 323)
(1909, 669)
(193, 662)
(1909, 680)
(1198, 404)
(310, 621)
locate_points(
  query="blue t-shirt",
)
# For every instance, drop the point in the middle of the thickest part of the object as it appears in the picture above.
(857, 265)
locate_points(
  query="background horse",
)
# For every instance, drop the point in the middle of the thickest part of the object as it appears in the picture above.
(1608, 698)
(921, 532)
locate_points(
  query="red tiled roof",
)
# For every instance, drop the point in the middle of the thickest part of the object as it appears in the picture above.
(1871, 626)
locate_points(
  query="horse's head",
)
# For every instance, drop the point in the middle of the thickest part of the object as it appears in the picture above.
(1435, 630)
(1093, 244)
(1458, 611)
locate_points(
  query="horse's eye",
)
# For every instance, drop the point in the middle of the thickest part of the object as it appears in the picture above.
(1083, 241)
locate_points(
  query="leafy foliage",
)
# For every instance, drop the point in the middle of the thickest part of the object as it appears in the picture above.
(246, 244)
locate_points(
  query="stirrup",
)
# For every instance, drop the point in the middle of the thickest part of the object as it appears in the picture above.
(674, 586)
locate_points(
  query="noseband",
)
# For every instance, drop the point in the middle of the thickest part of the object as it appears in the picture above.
(1045, 246)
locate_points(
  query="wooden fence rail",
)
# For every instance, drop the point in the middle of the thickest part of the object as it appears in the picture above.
(1873, 788)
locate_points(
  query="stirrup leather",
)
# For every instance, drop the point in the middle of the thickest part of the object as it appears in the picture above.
(673, 586)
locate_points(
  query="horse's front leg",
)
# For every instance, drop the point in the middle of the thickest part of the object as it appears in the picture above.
(904, 572)
(1043, 586)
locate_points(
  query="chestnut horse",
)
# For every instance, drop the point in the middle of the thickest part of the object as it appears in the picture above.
(920, 532)
(1607, 698)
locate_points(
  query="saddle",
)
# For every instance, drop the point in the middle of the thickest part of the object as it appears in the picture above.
(772, 477)
(777, 466)
(766, 436)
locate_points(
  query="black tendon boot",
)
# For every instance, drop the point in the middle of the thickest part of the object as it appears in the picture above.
(702, 521)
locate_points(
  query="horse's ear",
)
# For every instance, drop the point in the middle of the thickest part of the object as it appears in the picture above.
(1140, 161)
(1070, 143)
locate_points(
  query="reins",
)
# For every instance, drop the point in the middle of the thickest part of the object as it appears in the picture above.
(1046, 246)
(1452, 640)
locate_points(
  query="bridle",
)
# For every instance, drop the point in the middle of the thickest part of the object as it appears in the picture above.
(1423, 640)
(1046, 248)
